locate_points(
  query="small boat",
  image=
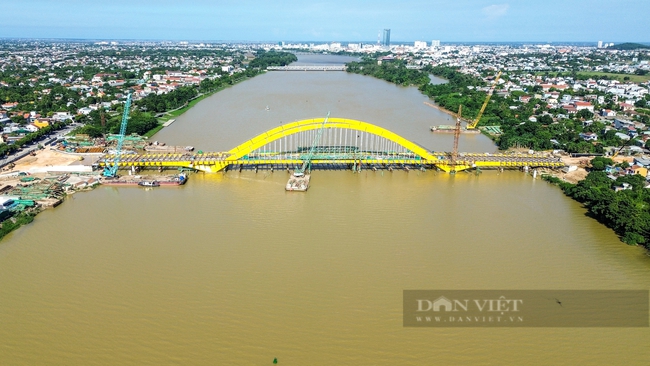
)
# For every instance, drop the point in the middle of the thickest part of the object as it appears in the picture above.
(180, 179)
(149, 183)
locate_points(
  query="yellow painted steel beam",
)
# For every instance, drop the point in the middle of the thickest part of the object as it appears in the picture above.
(212, 166)
(317, 123)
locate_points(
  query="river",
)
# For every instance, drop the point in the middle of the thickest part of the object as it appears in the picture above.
(231, 269)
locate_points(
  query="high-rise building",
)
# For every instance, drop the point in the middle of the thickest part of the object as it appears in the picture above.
(419, 44)
(435, 43)
(385, 39)
(600, 44)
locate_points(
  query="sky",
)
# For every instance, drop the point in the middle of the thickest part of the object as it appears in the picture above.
(330, 21)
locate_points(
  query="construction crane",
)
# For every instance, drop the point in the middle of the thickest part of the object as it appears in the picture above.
(487, 99)
(102, 117)
(306, 164)
(621, 148)
(110, 171)
(454, 151)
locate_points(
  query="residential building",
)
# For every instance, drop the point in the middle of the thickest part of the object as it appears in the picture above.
(420, 45)
(588, 136)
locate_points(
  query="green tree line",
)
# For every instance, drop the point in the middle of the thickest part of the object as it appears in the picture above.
(626, 211)
(264, 59)
(517, 129)
(163, 102)
(6, 149)
(139, 122)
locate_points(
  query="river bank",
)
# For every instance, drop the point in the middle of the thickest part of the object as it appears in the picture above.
(175, 113)
(37, 182)
(178, 274)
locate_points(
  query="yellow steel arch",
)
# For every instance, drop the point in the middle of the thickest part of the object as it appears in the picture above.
(317, 123)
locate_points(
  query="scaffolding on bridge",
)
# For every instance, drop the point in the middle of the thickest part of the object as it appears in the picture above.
(337, 142)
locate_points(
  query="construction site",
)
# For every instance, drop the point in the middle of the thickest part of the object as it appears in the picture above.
(47, 174)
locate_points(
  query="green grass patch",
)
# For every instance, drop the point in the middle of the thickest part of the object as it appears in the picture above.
(643, 111)
(598, 74)
(619, 77)
(16, 221)
(154, 130)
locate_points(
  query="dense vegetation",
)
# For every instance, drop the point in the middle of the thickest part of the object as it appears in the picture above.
(628, 46)
(391, 71)
(55, 101)
(517, 129)
(265, 59)
(211, 85)
(172, 100)
(20, 219)
(625, 211)
(139, 122)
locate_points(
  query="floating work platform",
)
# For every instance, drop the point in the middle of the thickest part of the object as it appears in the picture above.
(450, 129)
(298, 182)
(147, 181)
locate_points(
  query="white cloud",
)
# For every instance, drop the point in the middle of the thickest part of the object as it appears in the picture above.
(495, 11)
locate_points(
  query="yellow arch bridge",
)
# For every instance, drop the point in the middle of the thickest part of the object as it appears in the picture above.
(342, 141)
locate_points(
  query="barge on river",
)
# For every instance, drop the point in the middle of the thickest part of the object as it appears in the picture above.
(152, 181)
(299, 182)
(451, 129)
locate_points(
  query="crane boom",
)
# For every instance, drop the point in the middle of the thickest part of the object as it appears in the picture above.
(621, 148)
(454, 151)
(307, 162)
(111, 170)
(487, 99)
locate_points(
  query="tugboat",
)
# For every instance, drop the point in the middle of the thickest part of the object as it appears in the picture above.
(181, 178)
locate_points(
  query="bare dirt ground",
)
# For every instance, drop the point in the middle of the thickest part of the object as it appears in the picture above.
(44, 158)
(582, 163)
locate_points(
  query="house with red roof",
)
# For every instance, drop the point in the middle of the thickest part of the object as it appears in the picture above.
(579, 105)
(626, 106)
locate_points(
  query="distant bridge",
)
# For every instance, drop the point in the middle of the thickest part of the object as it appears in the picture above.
(307, 68)
(342, 142)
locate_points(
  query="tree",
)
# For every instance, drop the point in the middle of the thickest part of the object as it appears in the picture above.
(19, 119)
(585, 113)
(599, 163)
(545, 119)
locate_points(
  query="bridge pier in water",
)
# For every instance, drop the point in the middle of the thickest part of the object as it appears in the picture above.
(342, 144)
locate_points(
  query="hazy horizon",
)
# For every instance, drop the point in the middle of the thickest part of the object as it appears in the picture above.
(465, 21)
(396, 42)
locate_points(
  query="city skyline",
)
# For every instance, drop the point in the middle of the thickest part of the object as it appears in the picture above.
(465, 21)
